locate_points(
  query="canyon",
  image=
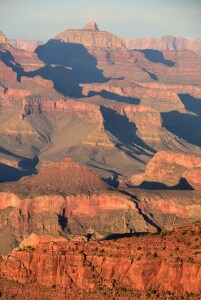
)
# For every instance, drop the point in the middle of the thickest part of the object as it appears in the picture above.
(100, 165)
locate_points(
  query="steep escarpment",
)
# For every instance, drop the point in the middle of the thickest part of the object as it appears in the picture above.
(90, 36)
(65, 198)
(142, 127)
(193, 177)
(125, 267)
(39, 119)
(171, 169)
(70, 200)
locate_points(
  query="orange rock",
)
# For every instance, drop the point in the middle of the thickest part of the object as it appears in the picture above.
(135, 264)
(168, 167)
(90, 38)
(3, 38)
(193, 177)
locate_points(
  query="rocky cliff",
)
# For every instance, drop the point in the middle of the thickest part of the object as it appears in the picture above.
(90, 36)
(67, 199)
(171, 169)
(3, 39)
(122, 268)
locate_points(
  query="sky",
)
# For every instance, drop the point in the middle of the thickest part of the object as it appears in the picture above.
(43, 19)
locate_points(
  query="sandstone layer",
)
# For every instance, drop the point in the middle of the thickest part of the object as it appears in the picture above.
(54, 202)
(37, 112)
(122, 268)
(171, 169)
(90, 36)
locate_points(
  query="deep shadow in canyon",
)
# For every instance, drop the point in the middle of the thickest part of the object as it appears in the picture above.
(67, 65)
(125, 132)
(116, 97)
(183, 185)
(191, 103)
(185, 126)
(157, 56)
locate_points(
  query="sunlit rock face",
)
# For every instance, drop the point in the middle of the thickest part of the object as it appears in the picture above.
(3, 38)
(70, 268)
(90, 36)
(171, 169)
(91, 26)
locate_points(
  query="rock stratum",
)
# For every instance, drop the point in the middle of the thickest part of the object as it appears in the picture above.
(55, 202)
(100, 159)
(131, 268)
(171, 169)
(51, 93)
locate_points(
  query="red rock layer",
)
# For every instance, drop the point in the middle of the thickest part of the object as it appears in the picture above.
(3, 38)
(90, 38)
(169, 167)
(162, 97)
(193, 177)
(37, 104)
(160, 266)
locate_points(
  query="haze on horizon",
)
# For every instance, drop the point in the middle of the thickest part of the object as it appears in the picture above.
(43, 19)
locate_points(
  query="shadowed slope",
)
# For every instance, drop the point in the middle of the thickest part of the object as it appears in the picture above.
(191, 103)
(157, 57)
(185, 126)
(67, 65)
(125, 132)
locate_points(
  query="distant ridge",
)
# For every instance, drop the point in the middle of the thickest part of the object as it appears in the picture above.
(166, 42)
(25, 44)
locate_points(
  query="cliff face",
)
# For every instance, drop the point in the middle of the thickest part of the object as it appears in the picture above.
(3, 39)
(193, 177)
(171, 168)
(146, 120)
(125, 267)
(67, 199)
(90, 38)
(35, 89)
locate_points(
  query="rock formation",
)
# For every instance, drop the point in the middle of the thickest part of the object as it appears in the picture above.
(128, 268)
(55, 202)
(91, 26)
(166, 42)
(170, 168)
(57, 177)
(3, 38)
(84, 97)
(90, 36)
(25, 44)
(193, 177)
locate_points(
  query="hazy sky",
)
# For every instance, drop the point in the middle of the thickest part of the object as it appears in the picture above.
(43, 19)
